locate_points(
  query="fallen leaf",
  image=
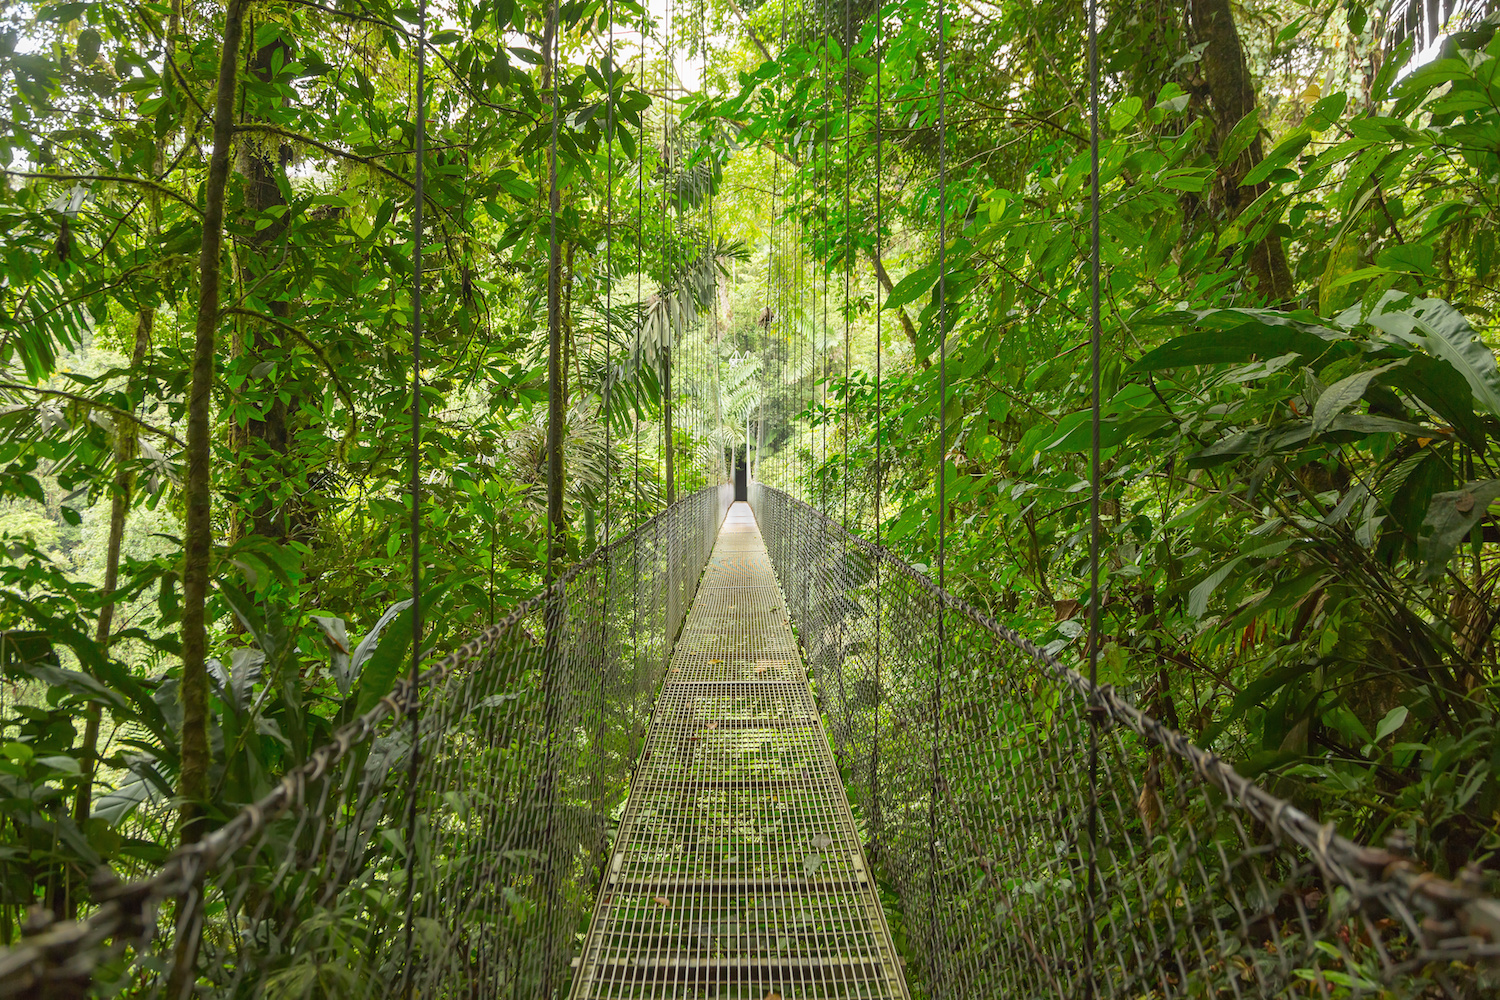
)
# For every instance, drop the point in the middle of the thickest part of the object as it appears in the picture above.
(812, 863)
(822, 841)
(773, 995)
(713, 725)
(661, 900)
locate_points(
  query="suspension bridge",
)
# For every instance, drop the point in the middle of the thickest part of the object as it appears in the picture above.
(741, 752)
(744, 752)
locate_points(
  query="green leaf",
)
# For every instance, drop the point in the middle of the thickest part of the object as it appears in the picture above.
(1343, 394)
(1199, 595)
(1239, 139)
(1444, 333)
(1450, 518)
(389, 656)
(1258, 338)
(1394, 720)
(1279, 157)
(1327, 111)
(1123, 113)
(911, 287)
(386, 662)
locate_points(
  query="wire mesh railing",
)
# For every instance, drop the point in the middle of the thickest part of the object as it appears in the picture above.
(968, 755)
(528, 735)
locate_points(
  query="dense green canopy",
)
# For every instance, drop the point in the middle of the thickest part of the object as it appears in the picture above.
(1301, 402)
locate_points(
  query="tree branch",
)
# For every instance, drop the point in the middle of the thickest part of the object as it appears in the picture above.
(96, 405)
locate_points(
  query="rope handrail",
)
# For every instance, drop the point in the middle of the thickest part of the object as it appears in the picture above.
(977, 773)
(123, 911)
(1368, 872)
(257, 898)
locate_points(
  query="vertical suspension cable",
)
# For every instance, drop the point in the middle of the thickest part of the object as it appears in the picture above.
(608, 568)
(942, 473)
(876, 818)
(668, 469)
(848, 239)
(414, 680)
(821, 177)
(555, 542)
(1095, 598)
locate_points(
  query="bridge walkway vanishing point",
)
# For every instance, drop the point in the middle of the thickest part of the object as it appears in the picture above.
(737, 870)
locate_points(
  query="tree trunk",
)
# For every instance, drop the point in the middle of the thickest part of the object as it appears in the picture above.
(906, 323)
(265, 440)
(124, 480)
(1232, 95)
(198, 530)
(666, 395)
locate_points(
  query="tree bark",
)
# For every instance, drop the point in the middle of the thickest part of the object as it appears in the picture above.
(124, 480)
(556, 372)
(119, 507)
(198, 531)
(1232, 94)
(265, 439)
(885, 282)
(666, 395)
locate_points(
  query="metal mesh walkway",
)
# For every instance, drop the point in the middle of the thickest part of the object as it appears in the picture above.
(737, 871)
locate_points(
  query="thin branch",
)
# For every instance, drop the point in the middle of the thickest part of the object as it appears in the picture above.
(95, 404)
(335, 151)
(114, 178)
(338, 385)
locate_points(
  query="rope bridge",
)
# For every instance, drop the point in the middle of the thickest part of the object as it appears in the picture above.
(681, 776)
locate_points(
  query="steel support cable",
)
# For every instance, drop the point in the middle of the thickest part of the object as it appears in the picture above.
(1095, 598)
(419, 124)
(848, 237)
(822, 175)
(875, 824)
(939, 987)
(330, 805)
(554, 624)
(668, 248)
(605, 408)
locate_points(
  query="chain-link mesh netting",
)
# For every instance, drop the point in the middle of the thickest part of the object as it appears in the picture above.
(737, 870)
(528, 735)
(968, 755)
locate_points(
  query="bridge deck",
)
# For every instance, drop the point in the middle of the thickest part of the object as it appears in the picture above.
(737, 871)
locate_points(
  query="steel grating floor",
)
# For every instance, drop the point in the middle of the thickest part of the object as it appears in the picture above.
(737, 871)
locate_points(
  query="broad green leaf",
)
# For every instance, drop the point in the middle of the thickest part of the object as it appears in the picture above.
(1450, 518)
(1279, 157)
(1394, 720)
(911, 287)
(1343, 394)
(1123, 113)
(1252, 340)
(1327, 111)
(1444, 332)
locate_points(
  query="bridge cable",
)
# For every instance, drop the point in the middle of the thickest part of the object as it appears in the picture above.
(875, 824)
(1095, 600)
(415, 677)
(605, 401)
(556, 379)
(636, 392)
(822, 178)
(942, 462)
(848, 239)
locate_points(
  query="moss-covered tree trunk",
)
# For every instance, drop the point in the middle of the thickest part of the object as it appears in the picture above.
(198, 531)
(1231, 91)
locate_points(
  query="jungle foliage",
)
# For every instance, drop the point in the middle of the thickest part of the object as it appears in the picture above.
(1301, 415)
